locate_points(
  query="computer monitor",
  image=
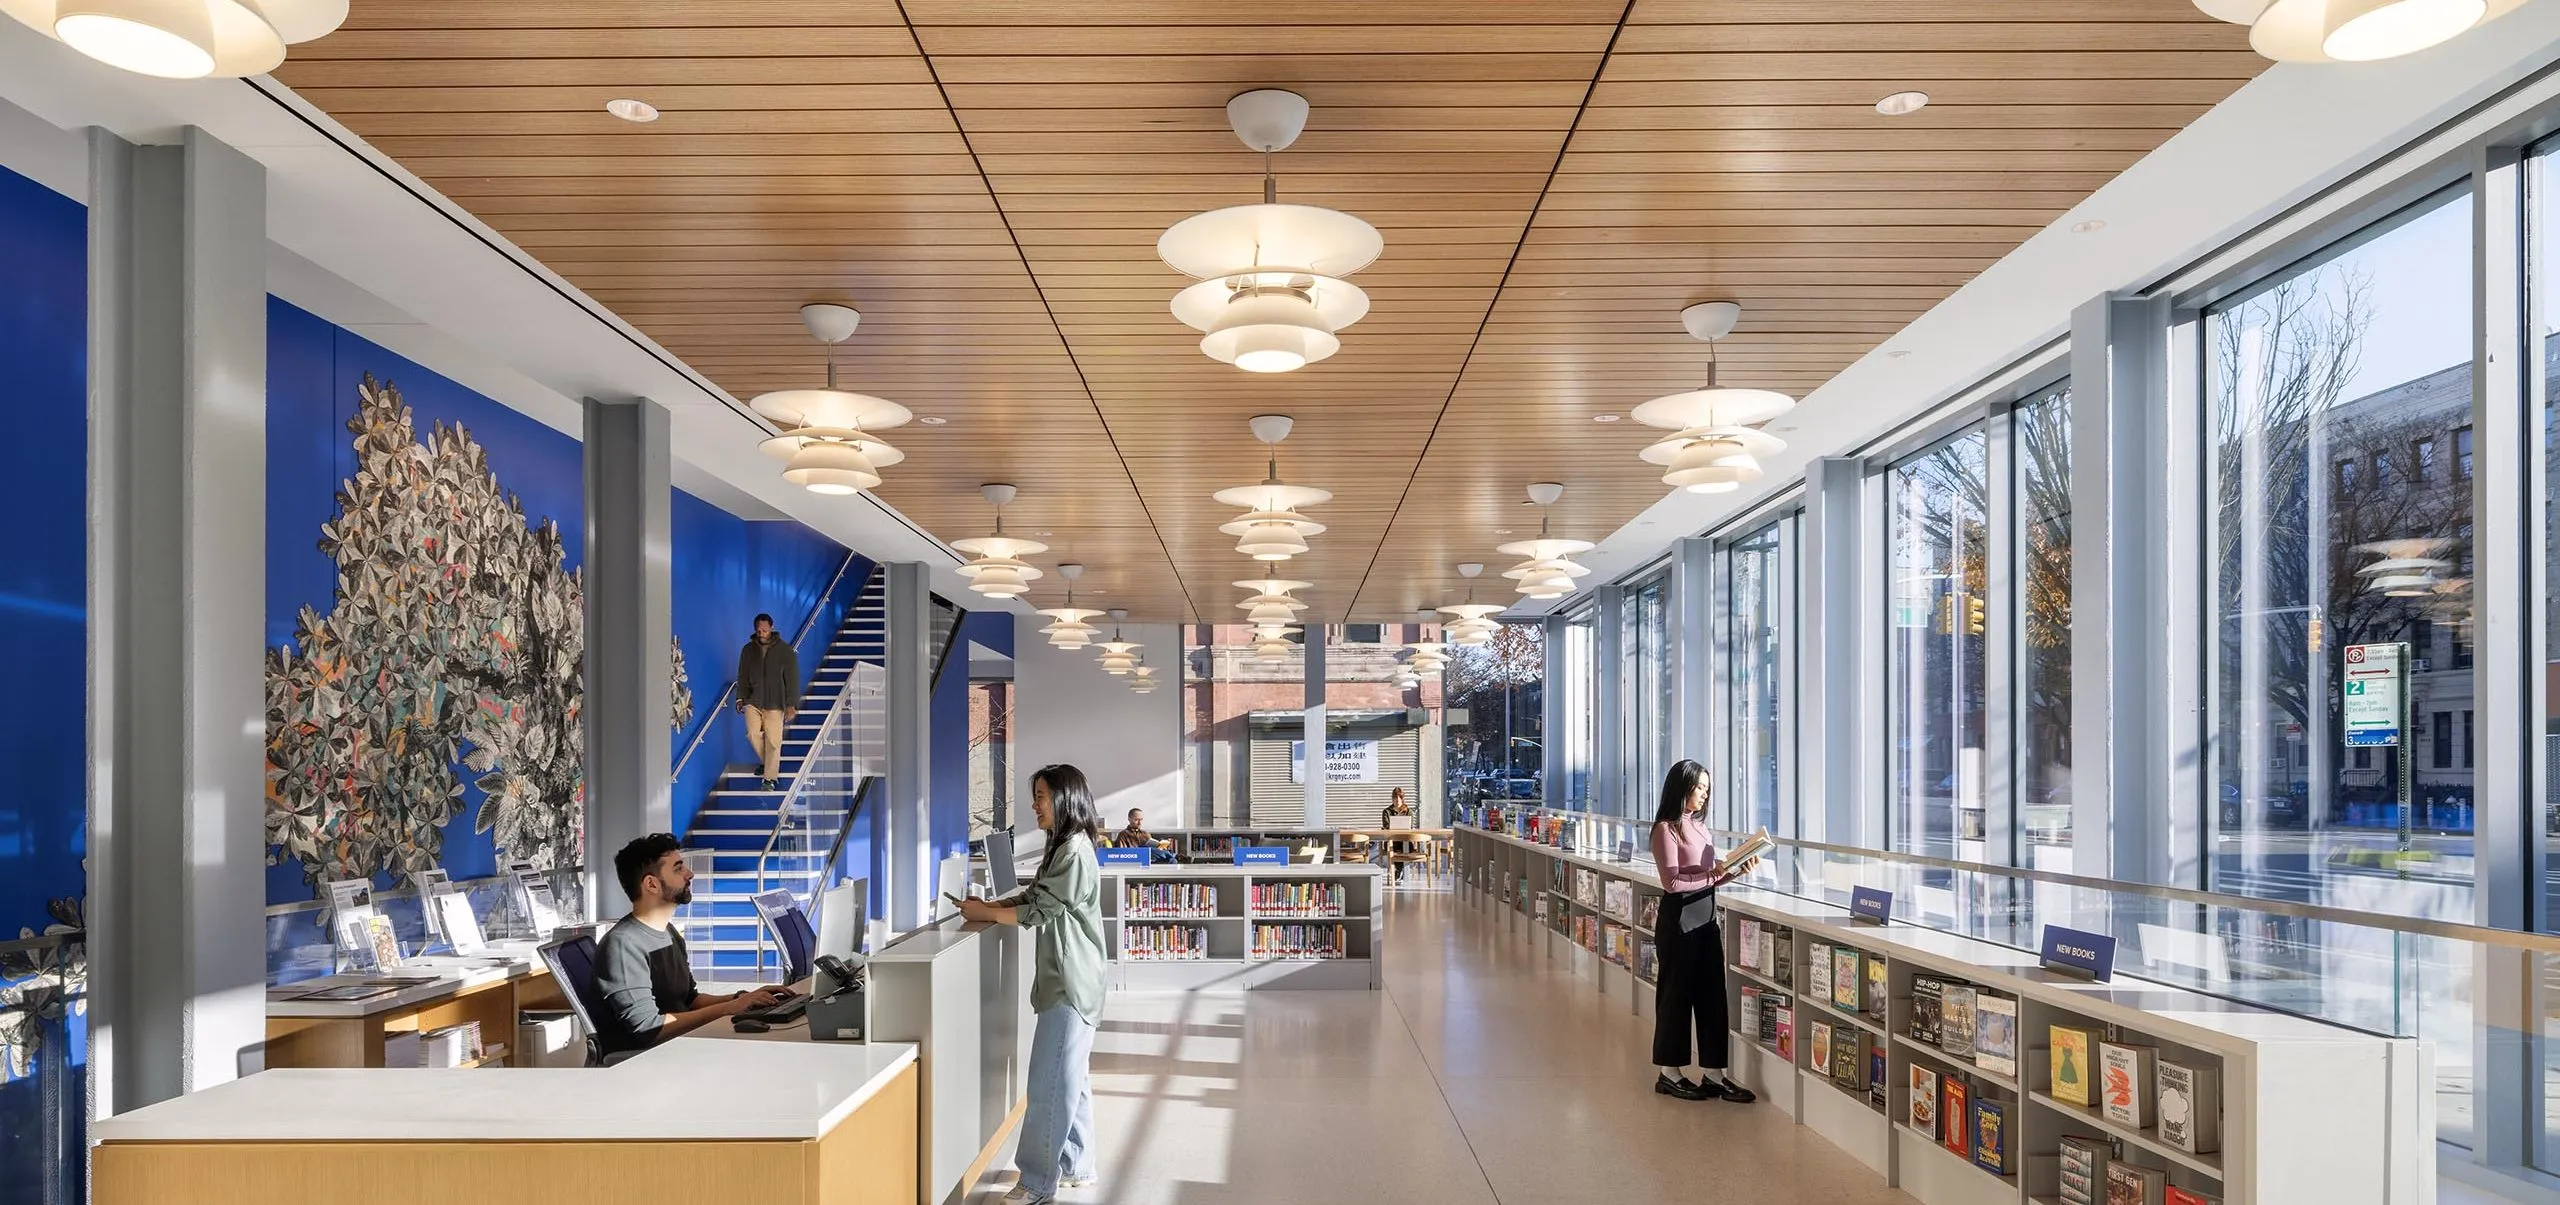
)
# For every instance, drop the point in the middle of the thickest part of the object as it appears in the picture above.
(842, 917)
(791, 931)
(1001, 879)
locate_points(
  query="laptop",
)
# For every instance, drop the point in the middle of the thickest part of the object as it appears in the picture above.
(1002, 880)
(1402, 822)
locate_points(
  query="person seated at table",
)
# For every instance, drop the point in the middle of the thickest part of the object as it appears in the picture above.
(1136, 835)
(1397, 805)
(643, 974)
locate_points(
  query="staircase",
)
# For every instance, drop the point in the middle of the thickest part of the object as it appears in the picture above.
(751, 845)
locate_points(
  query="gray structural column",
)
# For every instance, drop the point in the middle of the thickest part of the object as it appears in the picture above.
(629, 630)
(1832, 769)
(1553, 717)
(2133, 662)
(1313, 729)
(1610, 754)
(902, 824)
(177, 597)
(1690, 628)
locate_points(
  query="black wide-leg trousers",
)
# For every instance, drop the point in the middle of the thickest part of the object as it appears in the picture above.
(1688, 989)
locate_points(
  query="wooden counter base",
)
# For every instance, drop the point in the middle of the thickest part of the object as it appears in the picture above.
(869, 1159)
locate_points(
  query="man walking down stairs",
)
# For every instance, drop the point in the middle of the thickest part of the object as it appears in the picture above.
(768, 692)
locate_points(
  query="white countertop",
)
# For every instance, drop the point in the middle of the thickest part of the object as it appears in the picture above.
(693, 1088)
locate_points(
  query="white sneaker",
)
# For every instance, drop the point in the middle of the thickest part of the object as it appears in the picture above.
(1022, 1196)
(1079, 1181)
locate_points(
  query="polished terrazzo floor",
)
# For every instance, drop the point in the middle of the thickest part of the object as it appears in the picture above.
(1483, 1073)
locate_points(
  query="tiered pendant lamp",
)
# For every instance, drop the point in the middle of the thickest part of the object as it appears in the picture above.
(1119, 656)
(1071, 631)
(1429, 657)
(1272, 613)
(1717, 447)
(1474, 623)
(182, 39)
(2409, 568)
(1142, 679)
(2352, 31)
(1271, 294)
(996, 568)
(1548, 569)
(1271, 529)
(826, 438)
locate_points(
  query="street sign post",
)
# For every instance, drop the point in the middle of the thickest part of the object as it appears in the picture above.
(2375, 708)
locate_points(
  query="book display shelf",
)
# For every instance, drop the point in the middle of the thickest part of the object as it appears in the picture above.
(1968, 1075)
(1229, 928)
(1217, 846)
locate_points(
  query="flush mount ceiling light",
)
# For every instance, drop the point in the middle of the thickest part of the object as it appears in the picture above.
(1474, 623)
(1271, 529)
(2352, 31)
(996, 568)
(182, 39)
(1549, 569)
(1271, 294)
(1903, 104)
(1716, 448)
(1119, 656)
(1071, 631)
(826, 441)
(627, 109)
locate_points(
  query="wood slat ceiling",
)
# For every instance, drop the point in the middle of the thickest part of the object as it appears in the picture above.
(986, 179)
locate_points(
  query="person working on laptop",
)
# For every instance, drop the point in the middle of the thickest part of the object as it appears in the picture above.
(642, 972)
(1398, 814)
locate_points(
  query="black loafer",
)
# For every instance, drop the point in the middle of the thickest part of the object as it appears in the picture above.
(1729, 1090)
(1682, 1088)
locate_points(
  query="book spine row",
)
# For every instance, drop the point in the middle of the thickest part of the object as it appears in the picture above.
(1301, 941)
(1299, 899)
(1164, 943)
(1169, 899)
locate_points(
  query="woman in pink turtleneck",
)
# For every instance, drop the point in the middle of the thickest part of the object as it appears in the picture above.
(1689, 983)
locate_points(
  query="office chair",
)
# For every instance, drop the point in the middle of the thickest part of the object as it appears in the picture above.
(799, 943)
(572, 961)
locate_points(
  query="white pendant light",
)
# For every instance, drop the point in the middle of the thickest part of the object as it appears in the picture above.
(2352, 31)
(1428, 657)
(1142, 679)
(1717, 448)
(2408, 568)
(1119, 656)
(1270, 606)
(1474, 624)
(1271, 294)
(1071, 631)
(1271, 529)
(826, 442)
(996, 568)
(1548, 570)
(182, 39)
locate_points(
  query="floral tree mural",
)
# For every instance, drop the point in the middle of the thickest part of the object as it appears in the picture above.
(454, 645)
(44, 980)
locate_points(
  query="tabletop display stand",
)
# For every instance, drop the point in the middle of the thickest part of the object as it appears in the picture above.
(2264, 1108)
(1228, 928)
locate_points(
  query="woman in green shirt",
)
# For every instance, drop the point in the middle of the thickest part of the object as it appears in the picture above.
(1064, 903)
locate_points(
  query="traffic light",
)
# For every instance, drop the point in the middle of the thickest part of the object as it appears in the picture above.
(1946, 617)
(1973, 615)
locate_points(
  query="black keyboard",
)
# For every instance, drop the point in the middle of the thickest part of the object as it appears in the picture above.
(778, 1014)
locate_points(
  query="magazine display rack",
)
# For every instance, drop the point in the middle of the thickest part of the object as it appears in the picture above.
(2262, 1108)
(1227, 928)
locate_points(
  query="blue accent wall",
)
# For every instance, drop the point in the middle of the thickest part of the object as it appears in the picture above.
(44, 566)
(725, 568)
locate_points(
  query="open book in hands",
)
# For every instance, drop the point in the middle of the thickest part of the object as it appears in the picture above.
(1750, 847)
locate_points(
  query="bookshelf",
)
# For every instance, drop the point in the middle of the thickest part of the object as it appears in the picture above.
(1216, 846)
(1231, 928)
(2308, 1111)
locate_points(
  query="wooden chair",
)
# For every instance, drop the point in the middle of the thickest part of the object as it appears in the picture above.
(1409, 851)
(1355, 847)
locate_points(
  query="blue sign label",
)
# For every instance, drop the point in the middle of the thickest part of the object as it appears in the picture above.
(1135, 855)
(1871, 905)
(2079, 953)
(1262, 855)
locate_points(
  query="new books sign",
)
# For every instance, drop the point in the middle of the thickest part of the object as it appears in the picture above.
(1344, 761)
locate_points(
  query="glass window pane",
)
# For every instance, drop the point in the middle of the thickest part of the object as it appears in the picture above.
(1581, 706)
(1235, 703)
(1761, 603)
(1380, 734)
(1644, 686)
(1939, 534)
(2044, 636)
(1497, 716)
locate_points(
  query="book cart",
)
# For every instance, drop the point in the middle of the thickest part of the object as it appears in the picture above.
(2265, 1108)
(1228, 928)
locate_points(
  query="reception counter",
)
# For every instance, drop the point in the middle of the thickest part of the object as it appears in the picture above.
(774, 1119)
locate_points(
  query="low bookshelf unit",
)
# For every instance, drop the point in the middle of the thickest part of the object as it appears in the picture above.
(1230, 928)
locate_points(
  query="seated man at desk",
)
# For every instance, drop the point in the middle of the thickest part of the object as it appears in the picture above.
(1136, 835)
(642, 971)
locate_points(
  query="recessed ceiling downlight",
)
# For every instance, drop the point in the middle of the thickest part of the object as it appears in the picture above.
(1903, 104)
(631, 110)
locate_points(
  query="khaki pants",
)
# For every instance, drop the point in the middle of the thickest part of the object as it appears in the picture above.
(764, 731)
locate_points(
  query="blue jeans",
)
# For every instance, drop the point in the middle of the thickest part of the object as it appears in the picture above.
(1057, 1114)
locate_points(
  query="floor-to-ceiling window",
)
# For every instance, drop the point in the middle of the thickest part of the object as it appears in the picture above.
(1496, 695)
(1236, 700)
(1938, 543)
(1645, 681)
(1579, 707)
(1760, 614)
(2042, 703)
(1379, 734)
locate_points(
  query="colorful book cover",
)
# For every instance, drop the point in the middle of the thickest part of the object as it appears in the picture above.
(1746, 947)
(1879, 987)
(2070, 1065)
(1817, 1053)
(2125, 1083)
(1928, 999)
(1780, 958)
(1955, 1022)
(1956, 1114)
(1767, 940)
(1879, 1078)
(1786, 1024)
(1991, 1136)
(1995, 1034)
(1845, 977)
(2180, 1196)
(2128, 1184)
(1924, 1100)
(2190, 1107)
(1818, 966)
(1849, 1058)
(1750, 1010)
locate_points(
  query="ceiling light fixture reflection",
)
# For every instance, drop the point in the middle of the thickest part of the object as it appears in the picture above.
(182, 39)
(1716, 449)
(2352, 31)
(1271, 529)
(1271, 295)
(826, 441)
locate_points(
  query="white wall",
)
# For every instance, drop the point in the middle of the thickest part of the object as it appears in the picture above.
(1128, 744)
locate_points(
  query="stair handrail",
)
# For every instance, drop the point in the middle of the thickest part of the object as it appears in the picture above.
(794, 794)
(727, 692)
